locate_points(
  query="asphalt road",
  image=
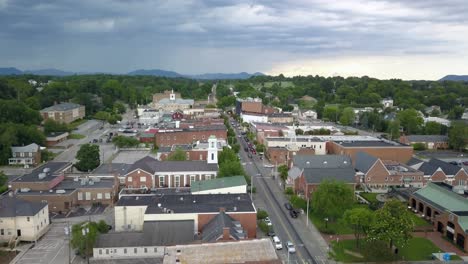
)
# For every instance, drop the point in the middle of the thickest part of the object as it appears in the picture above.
(272, 200)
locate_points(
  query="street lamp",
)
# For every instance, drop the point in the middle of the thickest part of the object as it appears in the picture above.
(326, 222)
(67, 233)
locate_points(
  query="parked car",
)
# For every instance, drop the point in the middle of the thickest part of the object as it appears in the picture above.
(246, 149)
(271, 232)
(277, 243)
(267, 221)
(293, 213)
(288, 206)
(290, 247)
(249, 155)
(268, 165)
(465, 163)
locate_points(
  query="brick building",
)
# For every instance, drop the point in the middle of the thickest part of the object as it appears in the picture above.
(265, 130)
(131, 212)
(283, 155)
(195, 151)
(29, 155)
(280, 118)
(48, 184)
(55, 138)
(429, 141)
(64, 112)
(169, 137)
(436, 170)
(149, 173)
(446, 207)
(379, 174)
(383, 149)
(315, 169)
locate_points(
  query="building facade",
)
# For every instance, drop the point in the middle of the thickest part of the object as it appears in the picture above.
(178, 136)
(27, 156)
(64, 112)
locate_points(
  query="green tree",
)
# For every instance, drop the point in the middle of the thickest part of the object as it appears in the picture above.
(330, 112)
(432, 128)
(84, 243)
(177, 155)
(456, 112)
(393, 224)
(260, 148)
(125, 142)
(119, 108)
(394, 129)
(88, 157)
(227, 155)
(410, 120)
(458, 136)
(347, 116)
(230, 168)
(3, 182)
(299, 131)
(283, 172)
(332, 199)
(360, 219)
(51, 126)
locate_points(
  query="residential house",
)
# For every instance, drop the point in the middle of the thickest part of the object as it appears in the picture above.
(378, 175)
(22, 220)
(315, 169)
(429, 141)
(439, 120)
(29, 155)
(387, 102)
(310, 114)
(64, 112)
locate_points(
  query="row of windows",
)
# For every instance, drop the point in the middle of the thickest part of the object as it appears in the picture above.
(162, 181)
(21, 154)
(87, 196)
(125, 250)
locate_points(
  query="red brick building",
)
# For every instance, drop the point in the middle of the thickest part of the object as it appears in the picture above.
(429, 141)
(436, 170)
(178, 136)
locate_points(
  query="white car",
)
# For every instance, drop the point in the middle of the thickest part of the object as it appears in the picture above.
(290, 247)
(267, 221)
(277, 243)
(268, 165)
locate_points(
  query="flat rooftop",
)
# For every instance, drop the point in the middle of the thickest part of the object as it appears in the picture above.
(54, 168)
(111, 168)
(246, 251)
(371, 143)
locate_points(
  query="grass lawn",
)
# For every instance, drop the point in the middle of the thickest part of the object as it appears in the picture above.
(370, 197)
(337, 227)
(417, 249)
(76, 123)
(419, 221)
(76, 136)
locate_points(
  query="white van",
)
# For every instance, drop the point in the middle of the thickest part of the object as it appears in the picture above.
(277, 243)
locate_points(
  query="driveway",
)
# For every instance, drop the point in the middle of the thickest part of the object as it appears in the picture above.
(51, 248)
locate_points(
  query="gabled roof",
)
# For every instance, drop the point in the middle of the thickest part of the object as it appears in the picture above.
(321, 161)
(61, 107)
(442, 198)
(294, 172)
(433, 164)
(223, 182)
(213, 230)
(12, 207)
(317, 175)
(364, 161)
(29, 148)
(151, 165)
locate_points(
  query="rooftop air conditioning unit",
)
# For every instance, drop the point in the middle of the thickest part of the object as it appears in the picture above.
(42, 175)
(60, 191)
(46, 170)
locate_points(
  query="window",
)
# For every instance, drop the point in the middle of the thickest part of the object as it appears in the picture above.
(155, 250)
(2, 232)
(135, 250)
(80, 196)
(201, 157)
(107, 195)
(146, 250)
(161, 181)
(30, 154)
(22, 154)
(88, 196)
(207, 177)
(142, 186)
(177, 181)
(386, 178)
(100, 252)
(192, 179)
(107, 251)
(175, 138)
(143, 179)
(27, 218)
(212, 156)
(130, 178)
(37, 227)
(99, 195)
(41, 224)
(125, 251)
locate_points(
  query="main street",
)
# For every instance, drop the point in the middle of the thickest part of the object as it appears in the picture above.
(310, 246)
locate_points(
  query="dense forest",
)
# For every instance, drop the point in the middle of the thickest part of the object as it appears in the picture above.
(105, 95)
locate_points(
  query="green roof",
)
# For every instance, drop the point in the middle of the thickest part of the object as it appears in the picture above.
(463, 222)
(443, 198)
(224, 182)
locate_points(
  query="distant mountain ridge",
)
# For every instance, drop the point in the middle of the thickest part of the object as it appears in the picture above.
(455, 78)
(151, 72)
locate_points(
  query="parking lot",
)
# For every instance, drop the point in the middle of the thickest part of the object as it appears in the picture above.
(130, 156)
(51, 248)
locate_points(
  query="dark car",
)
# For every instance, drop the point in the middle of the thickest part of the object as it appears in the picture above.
(453, 162)
(293, 213)
(288, 206)
(465, 163)
(246, 149)
(271, 233)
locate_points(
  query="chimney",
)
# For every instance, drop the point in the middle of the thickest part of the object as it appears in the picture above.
(226, 233)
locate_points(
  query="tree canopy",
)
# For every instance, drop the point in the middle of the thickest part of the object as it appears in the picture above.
(177, 155)
(332, 199)
(88, 157)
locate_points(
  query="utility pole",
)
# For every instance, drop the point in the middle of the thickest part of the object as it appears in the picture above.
(307, 221)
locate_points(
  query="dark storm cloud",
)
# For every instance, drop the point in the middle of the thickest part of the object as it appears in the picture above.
(199, 36)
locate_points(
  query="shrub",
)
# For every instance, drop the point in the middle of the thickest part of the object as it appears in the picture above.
(102, 227)
(289, 191)
(419, 146)
(264, 227)
(262, 214)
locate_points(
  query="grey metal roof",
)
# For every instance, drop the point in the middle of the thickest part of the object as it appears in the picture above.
(321, 161)
(317, 175)
(414, 161)
(364, 161)
(370, 143)
(111, 168)
(12, 207)
(433, 164)
(152, 165)
(189, 203)
(213, 230)
(427, 138)
(55, 168)
(61, 107)
(155, 233)
(29, 148)
(294, 172)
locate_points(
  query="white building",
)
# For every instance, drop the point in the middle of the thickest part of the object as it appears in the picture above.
(251, 117)
(387, 102)
(225, 185)
(439, 120)
(22, 220)
(319, 145)
(149, 116)
(310, 114)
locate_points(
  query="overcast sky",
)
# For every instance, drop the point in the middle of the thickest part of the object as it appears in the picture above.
(409, 39)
